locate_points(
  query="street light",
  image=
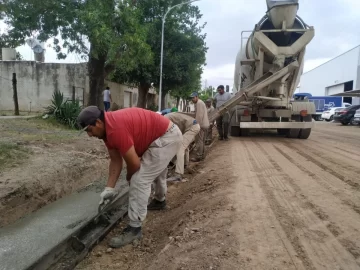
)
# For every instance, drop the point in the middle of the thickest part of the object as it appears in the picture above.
(162, 45)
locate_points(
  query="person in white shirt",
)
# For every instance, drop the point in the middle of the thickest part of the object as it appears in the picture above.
(223, 121)
(107, 98)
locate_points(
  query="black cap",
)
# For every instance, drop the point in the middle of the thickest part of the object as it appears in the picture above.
(88, 116)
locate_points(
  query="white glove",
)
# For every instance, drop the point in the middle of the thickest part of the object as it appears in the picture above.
(108, 195)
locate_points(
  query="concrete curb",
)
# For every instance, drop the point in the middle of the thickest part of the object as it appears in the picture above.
(18, 117)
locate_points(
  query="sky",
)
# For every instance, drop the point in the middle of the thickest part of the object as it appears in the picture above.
(336, 24)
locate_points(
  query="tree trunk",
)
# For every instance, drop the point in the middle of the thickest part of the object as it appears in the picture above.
(177, 102)
(186, 102)
(143, 90)
(150, 101)
(96, 67)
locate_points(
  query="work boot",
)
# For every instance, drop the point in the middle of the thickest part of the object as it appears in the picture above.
(156, 205)
(174, 178)
(197, 159)
(221, 138)
(127, 236)
(226, 138)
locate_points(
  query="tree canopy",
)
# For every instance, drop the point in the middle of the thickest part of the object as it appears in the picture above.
(106, 32)
(184, 49)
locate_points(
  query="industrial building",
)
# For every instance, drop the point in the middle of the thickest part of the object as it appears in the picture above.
(338, 75)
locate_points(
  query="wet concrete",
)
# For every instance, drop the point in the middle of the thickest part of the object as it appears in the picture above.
(29, 239)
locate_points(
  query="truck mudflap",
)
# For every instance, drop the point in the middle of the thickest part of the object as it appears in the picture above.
(276, 125)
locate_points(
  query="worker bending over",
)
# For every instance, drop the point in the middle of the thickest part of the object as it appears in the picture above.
(189, 128)
(147, 142)
(202, 119)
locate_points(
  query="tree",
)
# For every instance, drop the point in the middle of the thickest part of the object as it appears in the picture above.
(210, 91)
(192, 84)
(106, 32)
(184, 49)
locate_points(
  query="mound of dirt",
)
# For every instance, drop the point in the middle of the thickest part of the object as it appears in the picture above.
(192, 233)
(51, 172)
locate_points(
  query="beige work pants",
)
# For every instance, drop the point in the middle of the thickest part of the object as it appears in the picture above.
(200, 143)
(153, 168)
(183, 153)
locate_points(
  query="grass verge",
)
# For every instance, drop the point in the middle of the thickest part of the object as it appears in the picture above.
(12, 155)
(36, 130)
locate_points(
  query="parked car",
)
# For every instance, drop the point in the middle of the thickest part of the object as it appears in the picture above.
(357, 117)
(328, 115)
(346, 116)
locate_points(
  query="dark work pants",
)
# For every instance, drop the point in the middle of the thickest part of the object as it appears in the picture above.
(106, 106)
(222, 124)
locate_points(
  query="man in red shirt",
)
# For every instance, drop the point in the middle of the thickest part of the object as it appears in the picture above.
(147, 142)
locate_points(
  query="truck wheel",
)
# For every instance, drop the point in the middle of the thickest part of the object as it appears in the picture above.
(305, 132)
(294, 132)
(244, 132)
(235, 131)
(282, 131)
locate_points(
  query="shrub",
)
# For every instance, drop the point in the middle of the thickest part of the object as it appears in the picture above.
(64, 111)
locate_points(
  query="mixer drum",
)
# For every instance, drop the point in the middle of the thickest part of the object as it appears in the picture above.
(281, 39)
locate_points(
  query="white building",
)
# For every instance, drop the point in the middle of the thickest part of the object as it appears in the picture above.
(340, 74)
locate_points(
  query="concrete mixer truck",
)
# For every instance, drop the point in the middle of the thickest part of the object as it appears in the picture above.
(267, 72)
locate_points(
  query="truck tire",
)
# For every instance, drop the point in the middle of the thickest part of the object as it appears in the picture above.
(282, 131)
(305, 132)
(235, 131)
(294, 132)
(244, 132)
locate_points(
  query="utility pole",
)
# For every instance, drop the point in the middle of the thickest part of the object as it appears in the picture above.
(15, 96)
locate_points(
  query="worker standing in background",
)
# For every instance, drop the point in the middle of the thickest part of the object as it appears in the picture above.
(189, 128)
(210, 110)
(222, 122)
(107, 98)
(147, 142)
(202, 119)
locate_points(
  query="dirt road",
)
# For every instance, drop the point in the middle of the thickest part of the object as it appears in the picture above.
(261, 202)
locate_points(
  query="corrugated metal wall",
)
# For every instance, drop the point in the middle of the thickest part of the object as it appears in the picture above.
(339, 70)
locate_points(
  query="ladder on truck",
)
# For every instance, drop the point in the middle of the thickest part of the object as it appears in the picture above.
(252, 89)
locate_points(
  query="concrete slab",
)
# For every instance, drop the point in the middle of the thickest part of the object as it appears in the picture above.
(29, 239)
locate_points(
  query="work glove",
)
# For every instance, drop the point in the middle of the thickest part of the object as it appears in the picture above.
(108, 195)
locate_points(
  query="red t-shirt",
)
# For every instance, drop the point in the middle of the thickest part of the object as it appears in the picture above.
(133, 127)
